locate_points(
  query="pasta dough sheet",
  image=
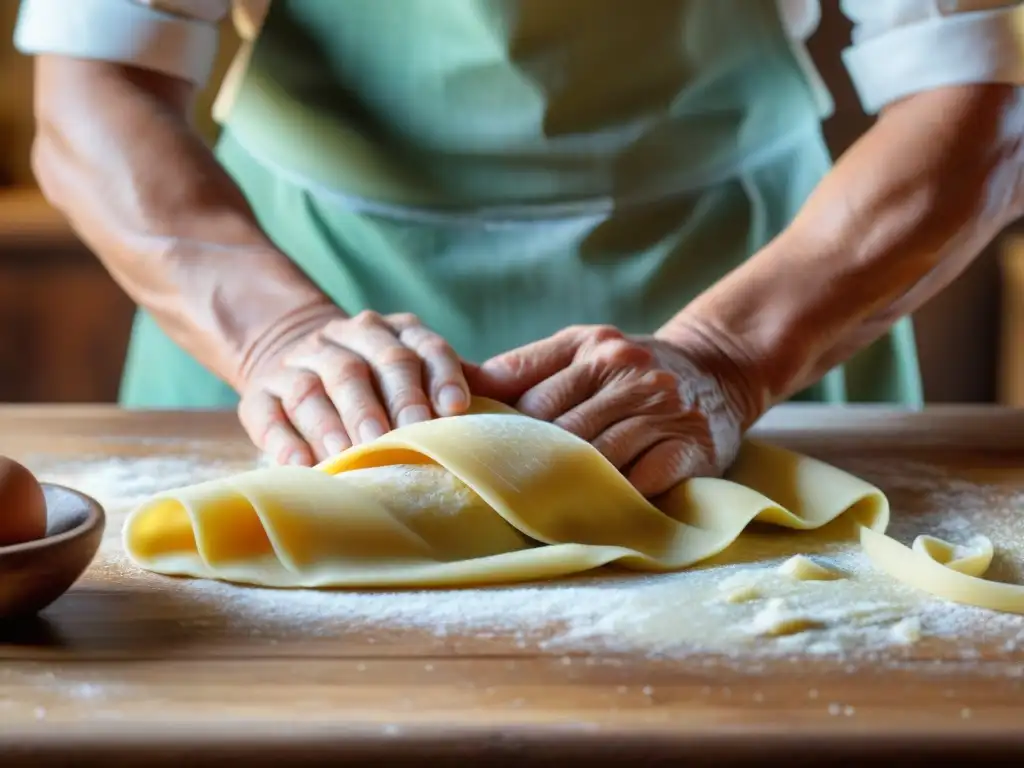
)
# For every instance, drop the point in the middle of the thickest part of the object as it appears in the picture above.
(497, 497)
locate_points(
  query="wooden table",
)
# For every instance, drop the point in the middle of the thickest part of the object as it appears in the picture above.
(194, 692)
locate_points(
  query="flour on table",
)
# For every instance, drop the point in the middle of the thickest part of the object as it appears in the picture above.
(120, 483)
(865, 614)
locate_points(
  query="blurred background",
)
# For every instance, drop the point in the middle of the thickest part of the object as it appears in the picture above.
(64, 323)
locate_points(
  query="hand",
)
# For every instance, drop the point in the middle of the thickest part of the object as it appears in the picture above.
(661, 411)
(336, 381)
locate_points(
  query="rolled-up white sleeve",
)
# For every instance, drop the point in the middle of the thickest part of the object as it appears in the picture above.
(903, 47)
(174, 37)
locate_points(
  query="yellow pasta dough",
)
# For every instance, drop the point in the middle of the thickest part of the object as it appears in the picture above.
(496, 497)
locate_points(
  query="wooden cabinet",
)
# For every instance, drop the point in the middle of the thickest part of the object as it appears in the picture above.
(64, 323)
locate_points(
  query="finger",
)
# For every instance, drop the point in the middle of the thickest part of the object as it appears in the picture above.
(397, 369)
(311, 412)
(401, 321)
(509, 375)
(668, 463)
(348, 382)
(445, 380)
(649, 393)
(560, 393)
(623, 442)
(270, 430)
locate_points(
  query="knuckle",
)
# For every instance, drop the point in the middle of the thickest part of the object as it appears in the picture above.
(604, 333)
(435, 346)
(367, 318)
(538, 402)
(300, 388)
(573, 422)
(403, 319)
(272, 434)
(397, 357)
(621, 351)
(514, 364)
(404, 397)
(345, 370)
(659, 380)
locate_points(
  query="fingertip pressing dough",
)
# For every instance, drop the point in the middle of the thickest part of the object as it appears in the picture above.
(22, 505)
(494, 496)
(803, 568)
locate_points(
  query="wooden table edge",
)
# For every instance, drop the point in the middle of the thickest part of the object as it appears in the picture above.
(334, 739)
(991, 427)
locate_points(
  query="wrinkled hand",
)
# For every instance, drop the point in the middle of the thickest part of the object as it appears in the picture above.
(338, 381)
(661, 411)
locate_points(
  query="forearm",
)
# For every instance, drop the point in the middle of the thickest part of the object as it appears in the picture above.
(901, 215)
(115, 153)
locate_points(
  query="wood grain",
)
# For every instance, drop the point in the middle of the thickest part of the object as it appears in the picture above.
(182, 686)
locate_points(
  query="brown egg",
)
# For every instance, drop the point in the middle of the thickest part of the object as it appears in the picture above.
(22, 505)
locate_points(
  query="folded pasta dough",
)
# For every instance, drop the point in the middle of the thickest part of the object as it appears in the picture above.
(495, 497)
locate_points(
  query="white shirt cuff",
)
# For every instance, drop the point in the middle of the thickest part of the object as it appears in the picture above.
(956, 49)
(119, 31)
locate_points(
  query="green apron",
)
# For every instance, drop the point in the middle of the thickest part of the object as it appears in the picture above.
(505, 168)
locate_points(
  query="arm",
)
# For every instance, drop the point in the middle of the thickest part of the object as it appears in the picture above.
(115, 84)
(902, 214)
(162, 215)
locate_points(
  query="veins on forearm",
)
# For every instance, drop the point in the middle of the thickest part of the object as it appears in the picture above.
(901, 215)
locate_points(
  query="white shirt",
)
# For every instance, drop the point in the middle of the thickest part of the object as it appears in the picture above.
(900, 47)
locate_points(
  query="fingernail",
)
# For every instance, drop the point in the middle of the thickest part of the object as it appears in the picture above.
(370, 430)
(413, 414)
(451, 399)
(295, 459)
(335, 443)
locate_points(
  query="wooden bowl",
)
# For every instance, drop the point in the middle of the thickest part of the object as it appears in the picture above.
(34, 574)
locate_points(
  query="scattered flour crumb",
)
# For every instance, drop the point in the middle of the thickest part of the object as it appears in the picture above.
(907, 631)
(743, 595)
(776, 620)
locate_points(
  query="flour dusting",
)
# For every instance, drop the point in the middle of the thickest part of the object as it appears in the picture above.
(866, 614)
(424, 489)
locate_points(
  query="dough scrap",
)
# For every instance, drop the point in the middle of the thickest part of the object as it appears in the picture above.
(907, 631)
(743, 595)
(775, 620)
(803, 568)
(494, 497)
